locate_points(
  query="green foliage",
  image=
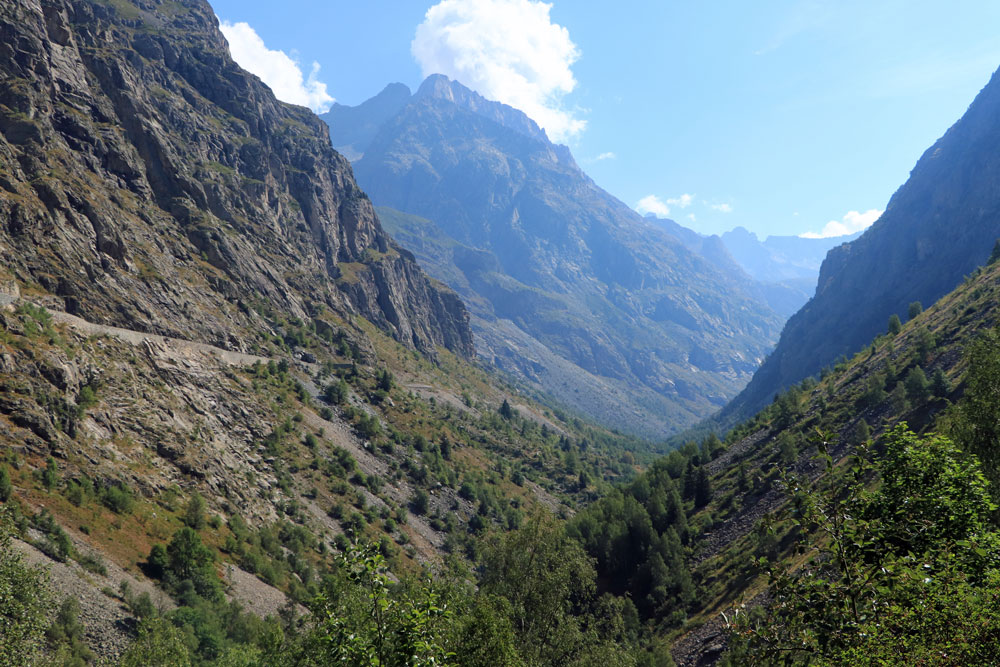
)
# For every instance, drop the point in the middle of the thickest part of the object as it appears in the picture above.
(977, 423)
(117, 498)
(364, 620)
(50, 476)
(506, 411)
(874, 394)
(65, 636)
(915, 309)
(336, 393)
(419, 503)
(545, 583)
(86, 399)
(194, 513)
(6, 486)
(994, 254)
(159, 643)
(635, 535)
(918, 388)
(930, 493)
(24, 602)
(895, 326)
(384, 380)
(186, 564)
(888, 567)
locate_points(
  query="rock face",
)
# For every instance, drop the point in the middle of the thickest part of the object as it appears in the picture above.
(571, 290)
(937, 228)
(151, 183)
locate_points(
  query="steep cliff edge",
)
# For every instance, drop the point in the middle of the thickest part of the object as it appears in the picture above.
(149, 182)
(938, 227)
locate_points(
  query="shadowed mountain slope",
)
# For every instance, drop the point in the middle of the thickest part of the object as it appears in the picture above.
(937, 228)
(571, 290)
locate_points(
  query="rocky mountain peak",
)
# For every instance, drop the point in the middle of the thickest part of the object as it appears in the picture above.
(440, 87)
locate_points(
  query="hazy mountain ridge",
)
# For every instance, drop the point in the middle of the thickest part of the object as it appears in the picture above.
(779, 258)
(768, 279)
(571, 266)
(938, 227)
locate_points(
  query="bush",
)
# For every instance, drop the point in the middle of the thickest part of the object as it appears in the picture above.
(194, 513)
(24, 602)
(159, 643)
(420, 502)
(117, 498)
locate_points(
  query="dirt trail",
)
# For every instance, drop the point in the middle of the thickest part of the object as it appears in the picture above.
(177, 345)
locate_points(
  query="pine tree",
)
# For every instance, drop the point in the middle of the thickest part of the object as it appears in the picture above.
(6, 487)
(702, 488)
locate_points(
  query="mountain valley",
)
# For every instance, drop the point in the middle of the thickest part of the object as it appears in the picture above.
(570, 291)
(255, 412)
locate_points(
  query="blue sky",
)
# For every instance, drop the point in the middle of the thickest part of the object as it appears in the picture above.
(781, 116)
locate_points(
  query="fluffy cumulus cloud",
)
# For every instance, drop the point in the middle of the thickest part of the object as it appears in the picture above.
(853, 221)
(681, 202)
(276, 68)
(653, 204)
(658, 207)
(507, 50)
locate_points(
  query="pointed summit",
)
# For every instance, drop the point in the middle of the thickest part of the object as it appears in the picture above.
(440, 87)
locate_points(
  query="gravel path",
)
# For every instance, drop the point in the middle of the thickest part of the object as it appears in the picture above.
(180, 347)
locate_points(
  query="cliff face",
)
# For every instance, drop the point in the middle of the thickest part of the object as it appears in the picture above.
(937, 228)
(148, 182)
(571, 290)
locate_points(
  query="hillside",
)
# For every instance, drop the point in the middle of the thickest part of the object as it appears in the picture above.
(571, 291)
(685, 538)
(155, 185)
(220, 378)
(937, 228)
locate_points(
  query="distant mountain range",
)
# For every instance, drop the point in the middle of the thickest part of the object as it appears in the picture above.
(570, 290)
(937, 228)
(785, 267)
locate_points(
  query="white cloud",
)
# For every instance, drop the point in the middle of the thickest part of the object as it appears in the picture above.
(853, 221)
(723, 208)
(276, 68)
(507, 50)
(658, 207)
(605, 156)
(652, 204)
(681, 202)
(692, 217)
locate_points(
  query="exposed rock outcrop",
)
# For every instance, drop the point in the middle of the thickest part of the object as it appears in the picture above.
(151, 183)
(937, 228)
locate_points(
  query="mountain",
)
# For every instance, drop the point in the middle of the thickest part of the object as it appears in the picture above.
(158, 187)
(570, 291)
(781, 258)
(218, 372)
(696, 537)
(937, 228)
(784, 295)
